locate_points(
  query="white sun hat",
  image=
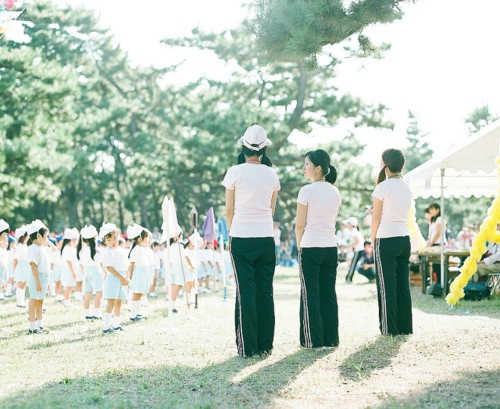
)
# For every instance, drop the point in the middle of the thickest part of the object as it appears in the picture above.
(3, 225)
(35, 226)
(71, 234)
(88, 232)
(105, 229)
(255, 138)
(134, 231)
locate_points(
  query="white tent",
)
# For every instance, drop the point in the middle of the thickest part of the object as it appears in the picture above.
(463, 171)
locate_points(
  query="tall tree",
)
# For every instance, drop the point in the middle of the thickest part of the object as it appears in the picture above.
(479, 118)
(418, 150)
(298, 30)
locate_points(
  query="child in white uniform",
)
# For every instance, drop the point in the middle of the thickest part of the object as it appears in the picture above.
(116, 285)
(91, 261)
(21, 266)
(139, 270)
(38, 280)
(70, 263)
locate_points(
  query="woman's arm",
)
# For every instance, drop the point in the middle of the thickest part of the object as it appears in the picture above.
(229, 207)
(273, 201)
(300, 222)
(376, 216)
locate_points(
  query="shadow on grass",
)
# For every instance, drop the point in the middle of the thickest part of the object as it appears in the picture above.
(489, 307)
(374, 356)
(223, 385)
(472, 390)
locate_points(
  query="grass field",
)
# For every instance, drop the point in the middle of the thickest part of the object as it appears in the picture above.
(451, 361)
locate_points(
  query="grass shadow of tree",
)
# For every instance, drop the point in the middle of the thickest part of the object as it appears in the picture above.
(172, 386)
(374, 356)
(472, 390)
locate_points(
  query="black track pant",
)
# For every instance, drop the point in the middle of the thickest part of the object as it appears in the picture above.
(319, 318)
(254, 261)
(392, 265)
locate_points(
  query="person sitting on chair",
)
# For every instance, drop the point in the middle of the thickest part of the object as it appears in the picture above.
(490, 263)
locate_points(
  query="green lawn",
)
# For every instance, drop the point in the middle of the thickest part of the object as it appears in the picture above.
(451, 361)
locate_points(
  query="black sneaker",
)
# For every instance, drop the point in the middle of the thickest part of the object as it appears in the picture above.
(95, 317)
(175, 311)
(89, 317)
(136, 318)
(118, 329)
(108, 331)
(33, 331)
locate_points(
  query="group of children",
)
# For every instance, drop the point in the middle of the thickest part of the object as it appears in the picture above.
(105, 265)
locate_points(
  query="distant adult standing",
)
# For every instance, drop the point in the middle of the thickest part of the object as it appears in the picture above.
(390, 234)
(318, 205)
(251, 192)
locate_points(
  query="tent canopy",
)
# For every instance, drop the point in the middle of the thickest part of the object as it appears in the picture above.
(467, 170)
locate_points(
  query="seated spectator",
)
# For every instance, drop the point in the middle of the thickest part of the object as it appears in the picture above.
(366, 263)
(489, 264)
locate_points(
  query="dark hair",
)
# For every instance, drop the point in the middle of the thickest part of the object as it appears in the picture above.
(34, 235)
(90, 242)
(319, 157)
(438, 208)
(4, 231)
(65, 241)
(246, 152)
(142, 236)
(394, 159)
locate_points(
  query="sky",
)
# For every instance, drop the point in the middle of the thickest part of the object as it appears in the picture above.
(442, 64)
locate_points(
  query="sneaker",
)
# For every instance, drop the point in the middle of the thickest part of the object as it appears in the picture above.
(175, 311)
(89, 317)
(118, 329)
(33, 331)
(95, 317)
(153, 295)
(136, 318)
(21, 306)
(108, 331)
(266, 353)
(43, 330)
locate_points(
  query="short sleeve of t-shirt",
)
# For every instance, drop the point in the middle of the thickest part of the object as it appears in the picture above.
(34, 255)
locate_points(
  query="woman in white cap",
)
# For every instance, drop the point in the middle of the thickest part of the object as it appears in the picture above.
(116, 284)
(21, 266)
(139, 257)
(318, 205)
(356, 245)
(38, 280)
(251, 191)
(392, 200)
(70, 263)
(91, 260)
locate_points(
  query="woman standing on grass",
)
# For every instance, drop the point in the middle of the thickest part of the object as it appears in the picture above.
(38, 280)
(251, 190)
(116, 284)
(318, 205)
(391, 203)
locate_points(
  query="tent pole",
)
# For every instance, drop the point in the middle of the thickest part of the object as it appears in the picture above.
(443, 229)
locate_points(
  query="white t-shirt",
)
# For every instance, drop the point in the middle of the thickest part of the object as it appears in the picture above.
(86, 259)
(114, 257)
(253, 186)
(37, 255)
(323, 203)
(396, 198)
(140, 256)
(433, 228)
(360, 245)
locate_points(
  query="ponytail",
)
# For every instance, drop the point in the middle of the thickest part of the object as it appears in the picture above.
(381, 176)
(331, 175)
(246, 152)
(79, 248)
